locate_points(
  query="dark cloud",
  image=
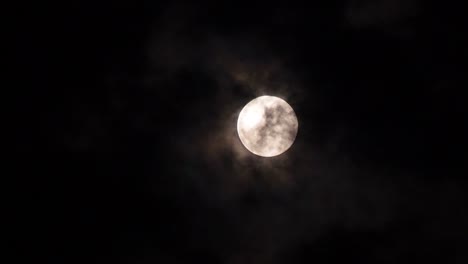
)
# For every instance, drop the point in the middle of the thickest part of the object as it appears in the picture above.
(143, 163)
(378, 13)
(321, 190)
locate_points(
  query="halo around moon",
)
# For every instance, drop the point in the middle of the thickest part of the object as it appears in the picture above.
(267, 126)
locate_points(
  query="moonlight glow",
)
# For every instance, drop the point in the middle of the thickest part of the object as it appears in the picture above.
(267, 126)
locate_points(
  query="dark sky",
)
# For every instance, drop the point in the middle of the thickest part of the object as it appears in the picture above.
(127, 151)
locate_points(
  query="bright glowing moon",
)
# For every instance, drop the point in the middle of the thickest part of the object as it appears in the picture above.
(267, 126)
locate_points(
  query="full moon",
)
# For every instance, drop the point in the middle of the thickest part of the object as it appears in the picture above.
(267, 126)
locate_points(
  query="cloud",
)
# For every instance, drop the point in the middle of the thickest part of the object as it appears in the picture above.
(381, 13)
(267, 206)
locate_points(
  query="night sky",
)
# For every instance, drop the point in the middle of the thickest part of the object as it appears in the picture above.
(126, 149)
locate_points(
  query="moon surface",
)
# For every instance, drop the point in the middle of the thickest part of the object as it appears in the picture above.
(267, 126)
